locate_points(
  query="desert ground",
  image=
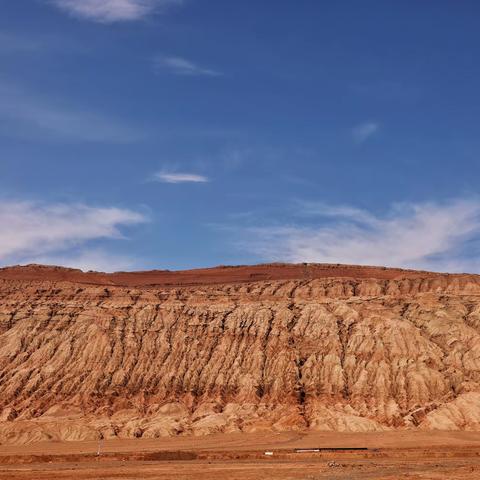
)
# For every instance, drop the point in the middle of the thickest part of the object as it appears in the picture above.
(389, 455)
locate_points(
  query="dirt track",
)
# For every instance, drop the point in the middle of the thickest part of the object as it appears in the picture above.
(441, 455)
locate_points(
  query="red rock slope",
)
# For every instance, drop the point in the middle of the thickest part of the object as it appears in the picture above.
(276, 347)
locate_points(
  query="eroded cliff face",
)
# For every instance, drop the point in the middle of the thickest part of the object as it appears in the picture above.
(79, 361)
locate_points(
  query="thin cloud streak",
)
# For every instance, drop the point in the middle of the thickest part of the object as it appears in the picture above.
(34, 230)
(361, 133)
(13, 43)
(16, 44)
(95, 259)
(27, 115)
(427, 236)
(178, 177)
(110, 11)
(182, 66)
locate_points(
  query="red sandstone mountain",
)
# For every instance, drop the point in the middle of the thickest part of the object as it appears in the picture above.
(268, 347)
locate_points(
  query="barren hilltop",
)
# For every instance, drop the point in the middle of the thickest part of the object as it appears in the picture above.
(305, 347)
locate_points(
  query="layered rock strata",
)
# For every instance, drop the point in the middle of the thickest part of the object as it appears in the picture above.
(83, 358)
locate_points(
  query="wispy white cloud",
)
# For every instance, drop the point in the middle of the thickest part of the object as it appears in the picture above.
(28, 115)
(14, 43)
(95, 259)
(28, 43)
(364, 131)
(429, 236)
(64, 231)
(109, 11)
(182, 66)
(180, 177)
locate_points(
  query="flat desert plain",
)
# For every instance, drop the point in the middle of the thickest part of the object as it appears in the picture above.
(389, 455)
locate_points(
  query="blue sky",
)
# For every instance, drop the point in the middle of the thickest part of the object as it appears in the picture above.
(139, 134)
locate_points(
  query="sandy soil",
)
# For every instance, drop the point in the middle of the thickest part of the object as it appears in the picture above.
(396, 455)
